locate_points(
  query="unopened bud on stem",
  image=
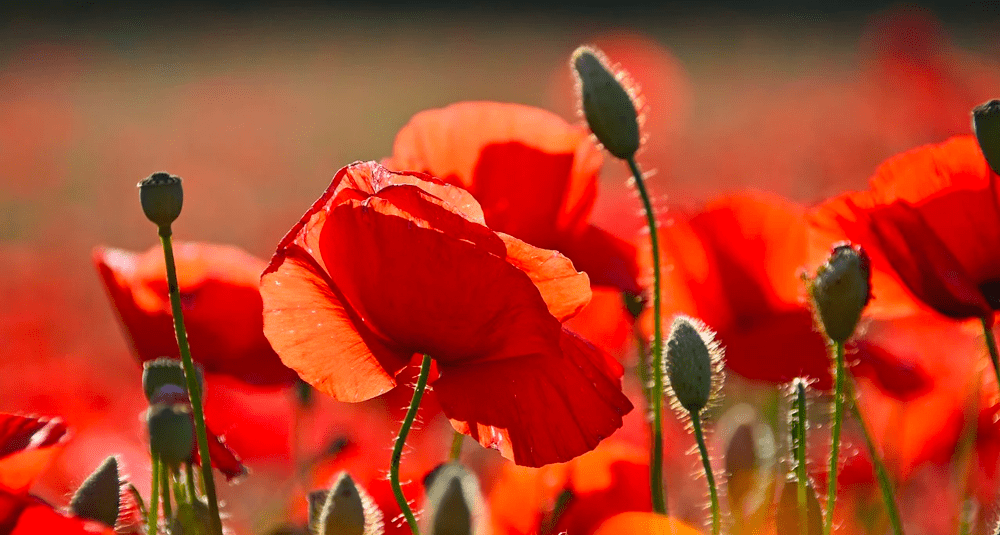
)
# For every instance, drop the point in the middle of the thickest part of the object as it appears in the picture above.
(841, 290)
(606, 104)
(693, 362)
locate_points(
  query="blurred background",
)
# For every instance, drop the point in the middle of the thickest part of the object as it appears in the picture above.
(257, 107)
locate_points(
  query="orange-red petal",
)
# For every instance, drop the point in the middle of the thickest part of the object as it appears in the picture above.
(537, 409)
(27, 444)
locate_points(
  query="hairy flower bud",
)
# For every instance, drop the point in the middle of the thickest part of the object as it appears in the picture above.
(342, 511)
(99, 497)
(171, 431)
(454, 501)
(693, 362)
(841, 290)
(161, 196)
(986, 125)
(607, 106)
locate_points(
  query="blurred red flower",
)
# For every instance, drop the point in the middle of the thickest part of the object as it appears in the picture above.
(735, 265)
(573, 497)
(931, 216)
(534, 175)
(26, 445)
(221, 302)
(385, 265)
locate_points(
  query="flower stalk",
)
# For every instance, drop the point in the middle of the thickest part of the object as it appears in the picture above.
(706, 461)
(191, 378)
(397, 449)
(838, 420)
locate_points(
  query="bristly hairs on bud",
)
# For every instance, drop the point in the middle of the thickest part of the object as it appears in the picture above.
(345, 508)
(609, 101)
(694, 366)
(840, 291)
(455, 503)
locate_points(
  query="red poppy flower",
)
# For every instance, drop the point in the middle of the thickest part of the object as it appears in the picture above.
(735, 265)
(534, 175)
(28, 515)
(637, 523)
(221, 302)
(573, 497)
(931, 215)
(385, 265)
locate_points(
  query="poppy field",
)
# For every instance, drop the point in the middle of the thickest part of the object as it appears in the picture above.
(267, 283)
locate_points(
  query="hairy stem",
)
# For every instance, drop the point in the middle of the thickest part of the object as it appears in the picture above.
(838, 419)
(397, 449)
(656, 449)
(707, 462)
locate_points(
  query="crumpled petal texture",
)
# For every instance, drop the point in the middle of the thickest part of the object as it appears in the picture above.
(386, 265)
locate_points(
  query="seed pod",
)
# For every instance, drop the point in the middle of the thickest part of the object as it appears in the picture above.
(161, 197)
(171, 431)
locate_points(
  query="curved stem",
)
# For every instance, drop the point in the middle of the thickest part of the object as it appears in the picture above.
(707, 462)
(656, 448)
(838, 418)
(153, 512)
(880, 472)
(191, 377)
(799, 440)
(991, 345)
(397, 449)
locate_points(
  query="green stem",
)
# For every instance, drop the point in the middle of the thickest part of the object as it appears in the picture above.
(153, 513)
(991, 345)
(456, 446)
(838, 418)
(880, 472)
(180, 493)
(656, 449)
(189, 473)
(799, 439)
(707, 462)
(397, 449)
(165, 490)
(191, 377)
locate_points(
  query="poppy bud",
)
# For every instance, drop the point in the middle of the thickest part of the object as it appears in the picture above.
(339, 510)
(165, 371)
(454, 501)
(693, 363)
(161, 196)
(171, 431)
(986, 125)
(607, 106)
(841, 290)
(99, 497)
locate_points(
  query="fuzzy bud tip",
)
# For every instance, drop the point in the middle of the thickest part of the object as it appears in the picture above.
(606, 104)
(99, 497)
(841, 290)
(693, 363)
(454, 501)
(162, 197)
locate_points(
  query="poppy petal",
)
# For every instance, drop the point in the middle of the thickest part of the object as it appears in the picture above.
(639, 523)
(498, 151)
(221, 303)
(296, 294)
(606, 258)
(27, 444)
(565, 290)
(537, 409)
